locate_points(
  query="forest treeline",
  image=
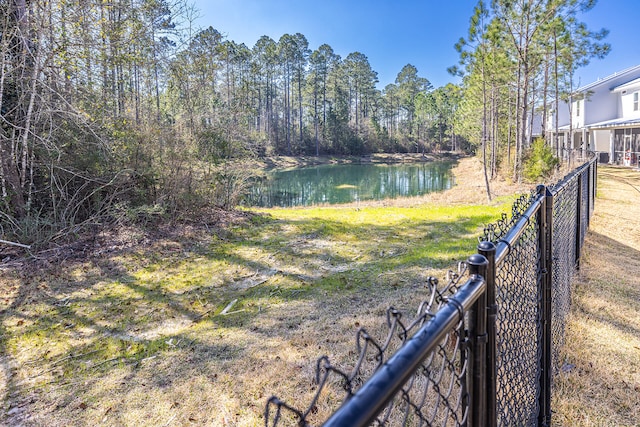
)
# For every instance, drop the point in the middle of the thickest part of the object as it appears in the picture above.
(126, 110)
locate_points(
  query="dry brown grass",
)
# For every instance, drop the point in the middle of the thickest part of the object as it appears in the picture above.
(136, 335)
(602, 354)
(133, 332)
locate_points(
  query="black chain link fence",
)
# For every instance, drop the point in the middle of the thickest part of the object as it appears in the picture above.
(518, 326)
(435, 394)
(483, 348)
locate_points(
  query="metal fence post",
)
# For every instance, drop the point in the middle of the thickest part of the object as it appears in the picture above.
(594, 186)
(578, 221)
(478, 335)
(545, 285)
(488, 250)
(589, 200)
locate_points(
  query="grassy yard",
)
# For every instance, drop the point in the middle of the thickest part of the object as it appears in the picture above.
(202, 328)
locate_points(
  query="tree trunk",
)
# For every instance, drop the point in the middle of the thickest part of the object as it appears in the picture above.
(484, 131)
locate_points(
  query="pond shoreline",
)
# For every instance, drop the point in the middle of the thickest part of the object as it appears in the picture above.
(286, 162)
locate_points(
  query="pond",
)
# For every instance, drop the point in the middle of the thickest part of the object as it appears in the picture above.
(347, 183)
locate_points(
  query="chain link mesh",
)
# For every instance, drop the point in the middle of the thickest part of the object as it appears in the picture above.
(519, 331)
(436, 395)
(563, 261)
(518, 328)
(584, 208)
(494, 232)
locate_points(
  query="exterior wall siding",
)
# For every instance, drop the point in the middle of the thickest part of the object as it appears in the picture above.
(626, 101)
(601, 140)
(601, 103)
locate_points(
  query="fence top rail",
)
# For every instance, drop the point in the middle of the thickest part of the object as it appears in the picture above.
(504, 244)
(363, 407)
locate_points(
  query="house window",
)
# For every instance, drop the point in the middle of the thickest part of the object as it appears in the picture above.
(635, 101)
(578, 108)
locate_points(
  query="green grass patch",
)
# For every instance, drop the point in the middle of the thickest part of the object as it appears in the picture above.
(205, 303)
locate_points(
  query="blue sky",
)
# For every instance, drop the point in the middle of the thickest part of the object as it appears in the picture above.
(393, 33)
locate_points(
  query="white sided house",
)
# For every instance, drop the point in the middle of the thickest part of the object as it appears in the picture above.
(604, 117)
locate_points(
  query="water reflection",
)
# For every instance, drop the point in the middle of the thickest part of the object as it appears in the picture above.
(333, 184)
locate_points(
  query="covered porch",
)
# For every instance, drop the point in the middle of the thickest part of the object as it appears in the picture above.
(615, 141)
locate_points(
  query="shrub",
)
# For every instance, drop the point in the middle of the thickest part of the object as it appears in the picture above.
(539, 161)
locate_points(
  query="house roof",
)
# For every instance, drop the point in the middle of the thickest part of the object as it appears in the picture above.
(628, 85)
(615, 123)
(608, 79)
